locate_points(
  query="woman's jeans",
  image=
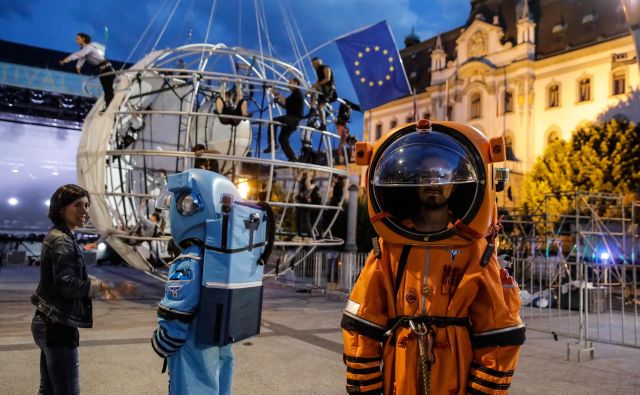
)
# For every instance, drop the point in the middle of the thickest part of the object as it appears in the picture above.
(59, 365)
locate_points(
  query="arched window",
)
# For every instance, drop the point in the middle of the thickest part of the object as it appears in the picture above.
(476, 106)
(508, 102)
(393, 123)
(378, 131)
(619, 81)
(553, 136)
(553, 96)
(509, 145)
(584, 89)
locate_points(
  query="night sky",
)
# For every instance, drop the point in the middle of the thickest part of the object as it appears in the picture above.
(54, 24)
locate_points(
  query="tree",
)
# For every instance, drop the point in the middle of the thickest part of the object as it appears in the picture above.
(598, 158)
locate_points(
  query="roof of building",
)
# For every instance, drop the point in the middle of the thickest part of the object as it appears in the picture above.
(561, 26)
(43, 58)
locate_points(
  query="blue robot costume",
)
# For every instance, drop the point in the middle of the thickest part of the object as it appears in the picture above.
(213, 296)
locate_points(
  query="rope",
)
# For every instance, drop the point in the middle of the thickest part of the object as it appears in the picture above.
(173, 12)
(304, 46)
(143, 34)
(240, 23)
(255, 3)
(206, 37)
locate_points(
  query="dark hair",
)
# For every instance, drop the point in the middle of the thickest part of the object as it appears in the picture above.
(85, 37)
(316, 58)
(62, 197)
(297, 81)
(198, 147)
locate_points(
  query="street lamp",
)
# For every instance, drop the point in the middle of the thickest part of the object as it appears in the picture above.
(632, 14)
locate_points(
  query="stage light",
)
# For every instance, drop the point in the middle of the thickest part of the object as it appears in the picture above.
(47, 203)
(15, 171)
(102, 247)
(243, 188)
(54, 173)
(604, 256)
(12, 201)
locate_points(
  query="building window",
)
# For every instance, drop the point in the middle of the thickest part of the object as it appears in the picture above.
(619, 83)
(508, 145)
(426, 115)
(476, 106)
(508, 102)
(393, 124)
(554, 96)
(553, 137)
(409, 119)
(378, 132)
(584, 89)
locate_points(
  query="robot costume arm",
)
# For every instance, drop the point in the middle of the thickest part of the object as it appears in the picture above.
(364, 322)
(497, 332)
(179, 304)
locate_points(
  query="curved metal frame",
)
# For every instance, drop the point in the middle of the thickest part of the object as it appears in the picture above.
(258, 64)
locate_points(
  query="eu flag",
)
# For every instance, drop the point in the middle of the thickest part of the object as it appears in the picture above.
(374, 65)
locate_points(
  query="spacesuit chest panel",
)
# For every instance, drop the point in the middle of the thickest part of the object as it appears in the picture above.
(231, 297)
(431, 279)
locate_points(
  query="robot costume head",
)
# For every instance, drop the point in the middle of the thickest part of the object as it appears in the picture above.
(431, 166)
(193, 197)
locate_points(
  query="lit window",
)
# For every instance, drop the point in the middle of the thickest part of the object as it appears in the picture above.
(508, 102)
(378, 131)
(553, 137)
(508, 145)
(584, 89)
(554, 96)
(476, 106)
(619, 82)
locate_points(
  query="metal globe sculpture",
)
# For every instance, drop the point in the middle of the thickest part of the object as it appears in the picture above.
(165, 118)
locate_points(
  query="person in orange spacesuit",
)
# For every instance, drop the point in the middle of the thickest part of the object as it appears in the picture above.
(432, 311)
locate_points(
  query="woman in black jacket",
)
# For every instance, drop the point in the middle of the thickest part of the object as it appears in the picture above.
(62, 299)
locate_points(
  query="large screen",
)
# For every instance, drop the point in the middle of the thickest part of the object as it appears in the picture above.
(34, 161)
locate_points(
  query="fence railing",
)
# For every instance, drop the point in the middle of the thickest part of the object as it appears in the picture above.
(585, 301)
(596, 302)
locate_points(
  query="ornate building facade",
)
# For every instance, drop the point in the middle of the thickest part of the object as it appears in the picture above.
(531, 71)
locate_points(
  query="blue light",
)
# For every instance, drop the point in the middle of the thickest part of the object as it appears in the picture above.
(604, 256)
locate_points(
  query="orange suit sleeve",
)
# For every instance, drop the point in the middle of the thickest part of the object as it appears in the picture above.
(497, 332)
(364, 322)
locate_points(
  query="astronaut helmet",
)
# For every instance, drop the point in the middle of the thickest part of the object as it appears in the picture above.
(193, 197)
(414, 174)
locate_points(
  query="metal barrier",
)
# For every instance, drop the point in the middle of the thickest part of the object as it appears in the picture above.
(590, 302)
(329, 270)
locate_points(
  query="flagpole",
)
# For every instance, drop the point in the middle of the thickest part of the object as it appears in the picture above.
(303, 57)
(446, 100)
(319, 47)
(415, 106)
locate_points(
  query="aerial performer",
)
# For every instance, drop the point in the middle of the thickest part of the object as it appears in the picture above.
(432, 311)
(213, 296)
(91, 54)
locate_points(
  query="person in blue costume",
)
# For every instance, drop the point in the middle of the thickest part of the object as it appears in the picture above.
(198, 317)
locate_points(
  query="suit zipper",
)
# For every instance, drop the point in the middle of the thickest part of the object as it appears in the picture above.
(424, 282)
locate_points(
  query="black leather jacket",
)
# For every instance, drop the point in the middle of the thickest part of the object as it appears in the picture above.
(63, 293)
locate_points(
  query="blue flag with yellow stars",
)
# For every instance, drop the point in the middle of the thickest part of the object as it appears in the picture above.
(374, 65)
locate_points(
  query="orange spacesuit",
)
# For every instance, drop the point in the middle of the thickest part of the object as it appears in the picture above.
(432, 311)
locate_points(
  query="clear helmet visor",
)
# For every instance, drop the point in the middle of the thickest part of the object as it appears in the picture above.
(422, 164)
(424, 172)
